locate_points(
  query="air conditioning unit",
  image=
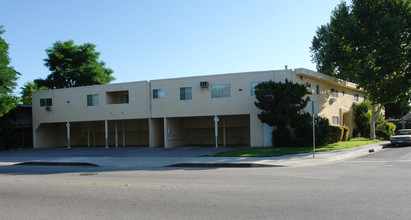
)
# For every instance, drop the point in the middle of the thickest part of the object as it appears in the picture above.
(204, 84)
(49, 108)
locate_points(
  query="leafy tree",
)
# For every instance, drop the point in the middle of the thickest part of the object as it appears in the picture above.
(368, 43)
(399, 108)
(74, 65)
(362, 118)
(8, 78)
(281, 104)
(27, 89)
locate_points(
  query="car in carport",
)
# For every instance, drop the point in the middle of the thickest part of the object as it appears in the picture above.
(401, 137)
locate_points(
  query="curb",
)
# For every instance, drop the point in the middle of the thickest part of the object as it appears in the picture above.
(57, 164)
(357, 153)
(222, 165)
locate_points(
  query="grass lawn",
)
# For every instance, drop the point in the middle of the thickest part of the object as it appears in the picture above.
(280, 151)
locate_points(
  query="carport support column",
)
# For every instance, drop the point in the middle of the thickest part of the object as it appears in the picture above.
(88, 134)
(94, 134)
(68, 135)
(224, 141)
(106, 132)
(124, 135)
(216, 119)
(115, 127)
(165, 133)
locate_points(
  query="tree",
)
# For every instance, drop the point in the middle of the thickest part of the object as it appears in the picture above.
(399, 108)
(8, 78)
(362, 115)
(74, 65)
(368, 43)
(281, 104)
(26, 91)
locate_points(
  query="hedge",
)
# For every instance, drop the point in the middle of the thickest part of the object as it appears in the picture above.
(390, 128)
(336, 134)
(386, 131)
(382, 134)
(346, 133)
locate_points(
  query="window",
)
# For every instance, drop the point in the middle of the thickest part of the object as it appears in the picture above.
(92, 100)
(220, 91)
(123, 99)
(46, 102)
(117, 97)
(252, 87)
(334, 93)
(185, 93)
(356, 97)
(158, 93)
(336, 120)
(317, 89)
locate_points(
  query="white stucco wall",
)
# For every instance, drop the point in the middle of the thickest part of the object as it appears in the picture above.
(70, 105)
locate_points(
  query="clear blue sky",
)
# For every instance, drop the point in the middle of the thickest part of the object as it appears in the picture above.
(155, 39)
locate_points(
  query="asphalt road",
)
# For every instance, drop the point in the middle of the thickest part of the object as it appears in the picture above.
(377, 186)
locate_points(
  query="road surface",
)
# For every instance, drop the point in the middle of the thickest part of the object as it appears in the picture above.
(377, 186)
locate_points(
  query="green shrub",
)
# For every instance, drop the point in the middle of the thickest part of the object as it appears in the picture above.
(322, 130)
(304, 131)
(346, 133)
(302, 135)
(362, 115)
(390, 128)
(356, 133)
(382, 134)
(336, 134)
(386, 131)
(281, 138)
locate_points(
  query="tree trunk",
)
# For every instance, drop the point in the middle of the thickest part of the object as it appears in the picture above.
(374, 116)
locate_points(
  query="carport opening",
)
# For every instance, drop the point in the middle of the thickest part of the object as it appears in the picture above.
(83, 134)
(233, 130)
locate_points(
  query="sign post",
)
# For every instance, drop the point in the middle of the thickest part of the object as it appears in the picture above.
(312, 111)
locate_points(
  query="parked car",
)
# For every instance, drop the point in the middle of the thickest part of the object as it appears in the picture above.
(401, 137)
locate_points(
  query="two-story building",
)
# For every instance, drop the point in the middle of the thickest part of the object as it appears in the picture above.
(188, 111)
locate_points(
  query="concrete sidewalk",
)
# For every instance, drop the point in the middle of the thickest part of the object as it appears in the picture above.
(130, 161)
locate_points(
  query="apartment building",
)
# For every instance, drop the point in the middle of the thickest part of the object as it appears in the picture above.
(190, 111)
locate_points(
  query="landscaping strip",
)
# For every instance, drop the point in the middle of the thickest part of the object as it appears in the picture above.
(281, 151)
(222, 165)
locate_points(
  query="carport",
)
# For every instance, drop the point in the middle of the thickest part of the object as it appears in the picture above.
(133, 132)
(232, 130)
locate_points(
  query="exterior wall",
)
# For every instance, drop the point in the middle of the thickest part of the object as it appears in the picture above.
(168, 121)
(43, 139)
(327, 106)
(240, 100)
(156, 132)
(71, 104)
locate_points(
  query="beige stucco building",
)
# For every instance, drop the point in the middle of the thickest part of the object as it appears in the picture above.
(177, 112)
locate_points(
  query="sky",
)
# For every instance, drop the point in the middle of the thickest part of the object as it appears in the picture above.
(158, 39)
